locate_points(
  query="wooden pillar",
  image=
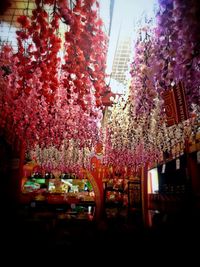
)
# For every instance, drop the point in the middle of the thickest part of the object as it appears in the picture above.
(144, 184)
(15, 174)
(98, 191)
(194, 173)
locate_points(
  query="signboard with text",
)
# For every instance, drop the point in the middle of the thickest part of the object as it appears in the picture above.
(175, 105)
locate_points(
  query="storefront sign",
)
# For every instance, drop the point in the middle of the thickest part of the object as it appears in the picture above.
(163, 168)
(177, 164)
(175, 105)
(181, 106)
(198, 157)
(170, 108)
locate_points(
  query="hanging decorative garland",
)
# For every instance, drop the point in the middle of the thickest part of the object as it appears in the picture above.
(137, 132)
(69, 158)
(178, 46)
(86, 48)
(55, 102)
(48, 100)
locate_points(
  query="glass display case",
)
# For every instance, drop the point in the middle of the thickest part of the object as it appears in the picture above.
(71, 196)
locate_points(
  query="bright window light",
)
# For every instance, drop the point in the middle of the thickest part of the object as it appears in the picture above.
(153, 181)
(128, 15)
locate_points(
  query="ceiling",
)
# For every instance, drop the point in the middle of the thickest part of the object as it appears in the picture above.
(119, 23)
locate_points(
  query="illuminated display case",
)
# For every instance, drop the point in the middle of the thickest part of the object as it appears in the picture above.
(116, 197)
(134, 193)
(74, 198)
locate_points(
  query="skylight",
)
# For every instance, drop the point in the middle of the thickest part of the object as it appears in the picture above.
(128, 16)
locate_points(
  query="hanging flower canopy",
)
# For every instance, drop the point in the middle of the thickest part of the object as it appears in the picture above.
(165, 55)
(51, 89)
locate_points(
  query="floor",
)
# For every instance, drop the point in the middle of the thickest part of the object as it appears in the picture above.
(115, 240)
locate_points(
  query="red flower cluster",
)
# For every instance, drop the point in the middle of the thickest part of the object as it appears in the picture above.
(86, 48)
(48, 102)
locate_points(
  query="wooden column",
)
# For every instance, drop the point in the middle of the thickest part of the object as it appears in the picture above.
(14, 176)
(144, 184)
(194, 173)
